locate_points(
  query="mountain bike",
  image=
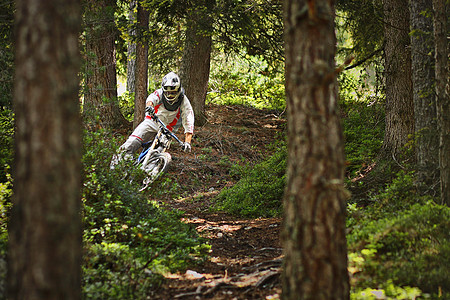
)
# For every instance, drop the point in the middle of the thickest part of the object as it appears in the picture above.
(154, 159)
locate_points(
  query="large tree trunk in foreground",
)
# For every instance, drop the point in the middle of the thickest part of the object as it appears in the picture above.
(314, 242)
(399, 97)
(443, 94)
(45, 226)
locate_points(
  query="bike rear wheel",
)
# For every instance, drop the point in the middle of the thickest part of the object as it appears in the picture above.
(155, 166)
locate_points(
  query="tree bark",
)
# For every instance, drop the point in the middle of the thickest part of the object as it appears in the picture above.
(195, 66)
(45, 226)
(426, 134)
(101, 105)
(399, 97)
(442, 94)
(131, 51)
(314, 242)
(141, 75)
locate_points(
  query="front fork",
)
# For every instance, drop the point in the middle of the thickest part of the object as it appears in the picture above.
(165, 144)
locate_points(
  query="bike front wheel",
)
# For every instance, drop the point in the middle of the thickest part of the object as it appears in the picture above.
(155, 166)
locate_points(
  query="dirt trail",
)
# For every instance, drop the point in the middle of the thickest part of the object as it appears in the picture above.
(246, 254)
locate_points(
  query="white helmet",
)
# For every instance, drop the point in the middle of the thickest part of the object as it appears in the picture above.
(171, 86)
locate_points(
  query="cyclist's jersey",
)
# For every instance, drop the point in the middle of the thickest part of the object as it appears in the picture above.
(171, 118)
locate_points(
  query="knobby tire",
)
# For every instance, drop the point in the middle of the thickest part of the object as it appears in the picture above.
(156, 165)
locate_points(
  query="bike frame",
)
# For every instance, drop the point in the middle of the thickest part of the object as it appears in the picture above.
(146, 153)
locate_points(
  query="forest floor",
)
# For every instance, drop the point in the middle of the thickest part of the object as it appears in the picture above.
(245, 258)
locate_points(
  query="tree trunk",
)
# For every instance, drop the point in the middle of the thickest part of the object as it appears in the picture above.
(100, 99)
(131, 51)
(399, 97)
(426, 134)
(195, 66)
(442, 94)
(141, 75)
(45, 226)
(314, 242)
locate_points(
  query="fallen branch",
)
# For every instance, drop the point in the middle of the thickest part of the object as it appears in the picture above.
(269, 277)
(266, 264)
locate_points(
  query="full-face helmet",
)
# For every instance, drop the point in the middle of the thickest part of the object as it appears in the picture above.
(171, 86)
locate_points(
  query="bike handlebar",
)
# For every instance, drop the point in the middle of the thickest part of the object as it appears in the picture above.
(166, 131)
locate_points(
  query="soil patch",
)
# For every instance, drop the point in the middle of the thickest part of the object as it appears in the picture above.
(245, 258)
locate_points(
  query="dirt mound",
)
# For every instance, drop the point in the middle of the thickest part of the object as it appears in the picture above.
(245, 260)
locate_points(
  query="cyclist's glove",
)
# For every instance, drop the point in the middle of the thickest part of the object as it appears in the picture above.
(186, 147)
(150, 110)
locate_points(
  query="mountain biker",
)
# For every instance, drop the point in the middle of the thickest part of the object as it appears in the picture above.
(172, 107)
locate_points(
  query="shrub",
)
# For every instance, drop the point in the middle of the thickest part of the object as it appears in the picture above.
(111, 271)
(129, 241)
(363, 126)
(5, 207)
(401, 238)
(126, 101)
(259, 192)
(6, 142)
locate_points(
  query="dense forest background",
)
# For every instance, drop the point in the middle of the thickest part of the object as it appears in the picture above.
(390, 66)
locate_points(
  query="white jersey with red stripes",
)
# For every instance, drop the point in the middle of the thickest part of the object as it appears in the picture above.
(171, 118)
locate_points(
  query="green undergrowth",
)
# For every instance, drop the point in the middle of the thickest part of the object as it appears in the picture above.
(398, 244)
(245, 81)
(260, 189)
(398, 241)
(5, 207)
(6, 142)
(363, 128)
(129, 241)
(401, 240)
(6, 158)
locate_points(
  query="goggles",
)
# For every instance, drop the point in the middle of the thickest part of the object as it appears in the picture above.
(169, 88)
